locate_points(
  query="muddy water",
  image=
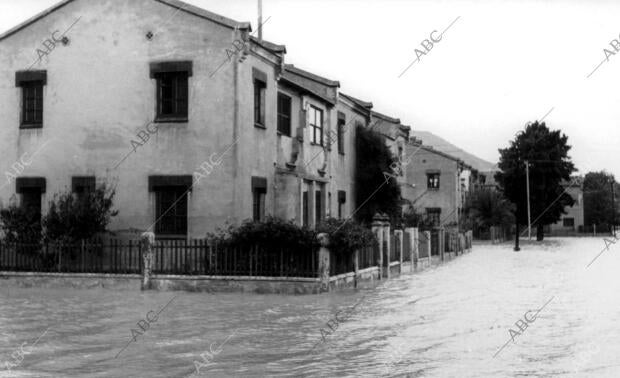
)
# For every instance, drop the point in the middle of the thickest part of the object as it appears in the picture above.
(448, 321)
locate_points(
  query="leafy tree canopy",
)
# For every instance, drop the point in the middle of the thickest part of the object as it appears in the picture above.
(550, 167)
(487, 207)
(74, 217)
(597, 198)
(375, 192)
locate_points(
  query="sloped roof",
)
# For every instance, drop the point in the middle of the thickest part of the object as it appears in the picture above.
(440, 144)
(324, 89)
(358, 102)
(269, 45)
(179, 5)
(388, 126)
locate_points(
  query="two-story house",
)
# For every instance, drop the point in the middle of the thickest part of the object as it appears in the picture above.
(193, 120)
(438, 189)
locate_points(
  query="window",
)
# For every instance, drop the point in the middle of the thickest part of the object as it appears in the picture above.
(305, 209)
(172, 90)
(32, 83)
(32, 105)
(318, 206)
(342, 199)
(432, 180)
(30, 190)
(172, 96)
(316, 125)
(569, 222)
(259, 191)
(171, 203)
(341, 127)
(284, 114)
(329, 205)
(434, 215)
(171, 211)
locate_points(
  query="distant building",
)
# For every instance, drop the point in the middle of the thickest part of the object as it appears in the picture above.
(573, 220)
(436, 190)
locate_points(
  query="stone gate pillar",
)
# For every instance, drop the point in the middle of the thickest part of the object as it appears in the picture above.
(377, 229)
(324, 262)
(147, 242)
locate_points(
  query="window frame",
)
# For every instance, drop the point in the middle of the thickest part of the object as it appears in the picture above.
(260, 92)
(179, 97)
(313, 127)
(429, 184)
(572, 221)
(181, 197)
(318, 206)
(342, 200)
(258, 204)
(341, 131)
(283, 118)
(37, 100)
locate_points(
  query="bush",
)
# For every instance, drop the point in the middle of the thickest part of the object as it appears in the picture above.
(346, 236)
(272, 232)
(20, 225)
(412, 218)
(73, 217)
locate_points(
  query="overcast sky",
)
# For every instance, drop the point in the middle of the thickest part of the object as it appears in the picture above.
(500, 65)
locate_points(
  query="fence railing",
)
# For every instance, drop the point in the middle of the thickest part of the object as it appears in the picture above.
(394, 247)
(182, 257)
(112, 257)
(369, 256)
(198, 257)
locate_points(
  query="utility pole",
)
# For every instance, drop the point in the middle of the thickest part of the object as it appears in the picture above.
(527, 182)
(613, 208)
(260, 20)
(517, 249)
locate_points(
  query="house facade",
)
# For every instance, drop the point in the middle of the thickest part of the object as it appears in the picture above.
(437, 191)
(191, 119)
(573, 220)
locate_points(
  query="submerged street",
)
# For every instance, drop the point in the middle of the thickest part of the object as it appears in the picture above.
(446, 321)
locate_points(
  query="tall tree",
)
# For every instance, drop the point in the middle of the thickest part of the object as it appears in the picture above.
(549, 166)
(375, 192)
(597, 199)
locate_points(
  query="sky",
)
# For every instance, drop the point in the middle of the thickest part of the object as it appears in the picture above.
(498, 66)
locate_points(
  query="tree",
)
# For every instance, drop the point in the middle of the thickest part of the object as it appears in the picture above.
(375, 191)
(486, 207)
(597, 199)
(550, 166)
(74, 217)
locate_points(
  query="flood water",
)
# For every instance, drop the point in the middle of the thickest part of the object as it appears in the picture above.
(447, 321)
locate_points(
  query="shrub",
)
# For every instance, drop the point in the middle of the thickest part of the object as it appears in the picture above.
(412, 218)
(272, 232)
(20, 225)
(73, 217)
(346, 236)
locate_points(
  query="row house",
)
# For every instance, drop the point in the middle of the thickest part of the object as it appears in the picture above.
(438, 191)
(316, 149)
(190, 118)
